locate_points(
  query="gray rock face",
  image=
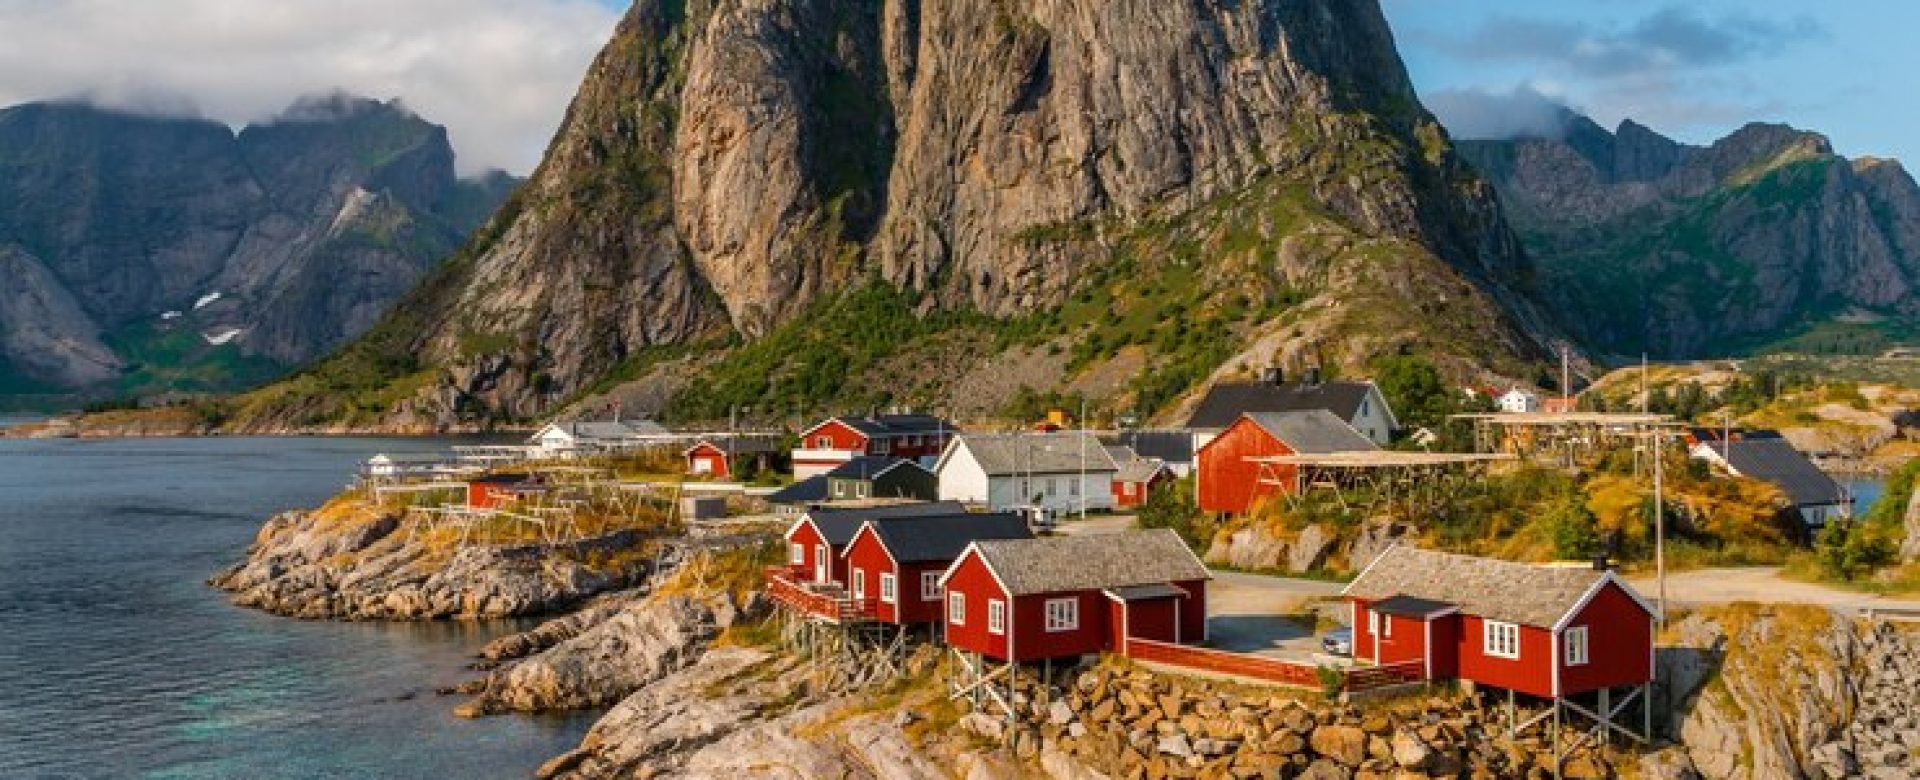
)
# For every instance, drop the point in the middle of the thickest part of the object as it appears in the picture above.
(1649, 243)
(729, 162)
(308, 226)
(1910, 545)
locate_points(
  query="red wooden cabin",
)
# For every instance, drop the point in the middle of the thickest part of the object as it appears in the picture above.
(1137, 479)
(707, 458)
(492, 490)
(894, 564)
(816, 542)
(1228, 482)
(1547, 631)
(1034, 599)
(837, 440)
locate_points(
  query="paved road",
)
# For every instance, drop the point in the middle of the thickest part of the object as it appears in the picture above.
(1762, 584)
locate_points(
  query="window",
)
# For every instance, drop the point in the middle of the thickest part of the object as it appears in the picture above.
(913, 441)
(1373, 622)
(957, 608)
(888, 588)
(860, 490)
(1051, 487)
(996, 617)
(1126, 489)
(1386, 626)
(1576, 639)
(1073, 487)
(839, 489)
(859, 583)
(1063, 614)
(1501, 640)
(796, 554)
(929, 585)
(823, 442)
(882, 446)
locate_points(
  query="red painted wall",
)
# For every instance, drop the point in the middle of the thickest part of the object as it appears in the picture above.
(1124, 500)
(1532, 673)
(1446, 648)
(805, 534)
(1402, 639)
(1153, 619)
(842, 437)
(866, 554)
(716, 460)
(973, 579)
(1033, 642)
(1228, 483)
(487, 495)
(838, 435)
(1619, 644)
(1193, 611)
(914, 609)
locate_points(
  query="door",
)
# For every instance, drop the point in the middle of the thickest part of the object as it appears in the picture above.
(820, 564)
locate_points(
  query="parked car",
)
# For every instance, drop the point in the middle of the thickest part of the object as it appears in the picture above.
(1338, 641)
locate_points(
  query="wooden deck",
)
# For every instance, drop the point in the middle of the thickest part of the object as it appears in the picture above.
(827, 603)
(1354, 679)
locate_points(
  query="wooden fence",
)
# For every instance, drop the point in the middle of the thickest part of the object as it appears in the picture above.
(1352, 679)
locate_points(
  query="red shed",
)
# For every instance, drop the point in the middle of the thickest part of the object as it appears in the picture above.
(1228, 482)
(1137, 479)
(894, 564)
(1033, 599)
(816, 542)
(707, 458)
(1547, 631)
(492, 490)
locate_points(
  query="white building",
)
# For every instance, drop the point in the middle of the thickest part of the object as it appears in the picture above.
(1064, 471)
(573, 439)
(1518, 401)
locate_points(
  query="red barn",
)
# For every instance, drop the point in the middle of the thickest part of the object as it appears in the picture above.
(1229, 483)
(1033, 599)
(492, 490)
(894, 564)
(715, 457)
(1137, 479)
(817, 541)
(839, 439)
(1547, 631)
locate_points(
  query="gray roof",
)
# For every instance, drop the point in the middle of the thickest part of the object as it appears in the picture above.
(1775, 460)
(1499, 590)
(1170, 446)
(868, 467)
(1059, 452)
(1225, 402)
(1093, 562)
(1312, 432)
(839, 525)
(897, 424)
(944, 537)
(1146, 592)
(1139, 470)
(743, 444)
(609, 430)
(810, 490)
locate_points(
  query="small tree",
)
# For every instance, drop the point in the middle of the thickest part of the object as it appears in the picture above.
(1172, 505)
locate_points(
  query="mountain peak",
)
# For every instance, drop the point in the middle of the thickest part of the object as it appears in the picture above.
(341, 106)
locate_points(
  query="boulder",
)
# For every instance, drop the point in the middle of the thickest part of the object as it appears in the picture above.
(1345, 744)
(1309, 549)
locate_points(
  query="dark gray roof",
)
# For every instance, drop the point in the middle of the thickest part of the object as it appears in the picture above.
(839, 525)
(1092, 562)
(1411, 606)
(742, 444)
(1170, 446)
(868, 467)
(1485, 587)
(944, 537)
(1776, 461)
(1312, 431)
(1225, 402)
(1146, 592)
(897, 424)
(806, 491)
(1060, 452)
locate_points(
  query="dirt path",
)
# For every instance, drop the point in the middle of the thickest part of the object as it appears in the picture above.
(1762, 584)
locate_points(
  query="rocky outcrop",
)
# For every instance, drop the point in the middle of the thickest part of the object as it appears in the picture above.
(1795, 692)
(177, 236)
(728, 163)
(1261, 545)
(1910, 543)
(349, 561)
(1648, 243)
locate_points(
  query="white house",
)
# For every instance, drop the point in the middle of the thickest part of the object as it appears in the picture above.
(1359, 404)
(1518, 401)
(384, 465)
(1063, 471)
(571, 439)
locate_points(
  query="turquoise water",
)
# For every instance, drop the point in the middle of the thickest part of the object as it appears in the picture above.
(116, 660)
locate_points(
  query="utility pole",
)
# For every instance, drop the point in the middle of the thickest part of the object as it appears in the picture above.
(1660, 526)
(1083, 459)
(1566, 378)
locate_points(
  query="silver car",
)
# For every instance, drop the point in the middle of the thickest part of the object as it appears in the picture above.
(1338, 642)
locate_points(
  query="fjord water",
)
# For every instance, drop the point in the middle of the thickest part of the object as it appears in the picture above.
(116, 660)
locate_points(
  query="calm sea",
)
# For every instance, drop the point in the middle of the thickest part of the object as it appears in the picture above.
(117, 661)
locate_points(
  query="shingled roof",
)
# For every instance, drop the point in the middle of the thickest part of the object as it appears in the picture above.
(1170, 446)
(839, 525)
(1775, 460)
(944, 537)
(1488, 588)
(1060, 452)
(1225, 402)
(1312, 431)
(1139, 470)
(868, 467)
(896, 424)
(1093, 562)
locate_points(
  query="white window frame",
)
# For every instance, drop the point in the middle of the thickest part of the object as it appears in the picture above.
(1373, 622)
(929, 586)
(1386, 625)
(882, 446)
(1579, 649)
(796, 554)
(1500, 639)
(1073, 488)
(889, 589)
(1063, 615)
(996, 616)
(957, 608)
(860, 584)
(823, 442)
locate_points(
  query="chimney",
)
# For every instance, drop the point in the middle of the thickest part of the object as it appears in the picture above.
(1600, 563)
(1313, 376)
(1272, 375)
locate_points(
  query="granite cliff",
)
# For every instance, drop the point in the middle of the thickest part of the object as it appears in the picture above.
(148, 253)
(1764, 238)
(730, 168)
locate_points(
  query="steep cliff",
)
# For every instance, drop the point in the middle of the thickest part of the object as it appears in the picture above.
(731, 168)
(162, 253)
(1762, 237)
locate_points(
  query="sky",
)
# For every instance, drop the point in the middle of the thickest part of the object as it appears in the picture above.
(499, 73)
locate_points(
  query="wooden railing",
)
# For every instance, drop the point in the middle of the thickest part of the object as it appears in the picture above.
(1353, 679)
(833, 605)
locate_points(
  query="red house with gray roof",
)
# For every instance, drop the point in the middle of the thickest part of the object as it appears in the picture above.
(1228, 482)
(1547, 631)
(894, 564)
(836, 440)
(1062, 597)
(816, 541)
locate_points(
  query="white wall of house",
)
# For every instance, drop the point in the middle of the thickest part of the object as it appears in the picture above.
(1055, 491)
(1372, 419)
(961, 478)
(1518, 402)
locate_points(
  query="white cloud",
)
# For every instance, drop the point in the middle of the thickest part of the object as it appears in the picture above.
(497, 73)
